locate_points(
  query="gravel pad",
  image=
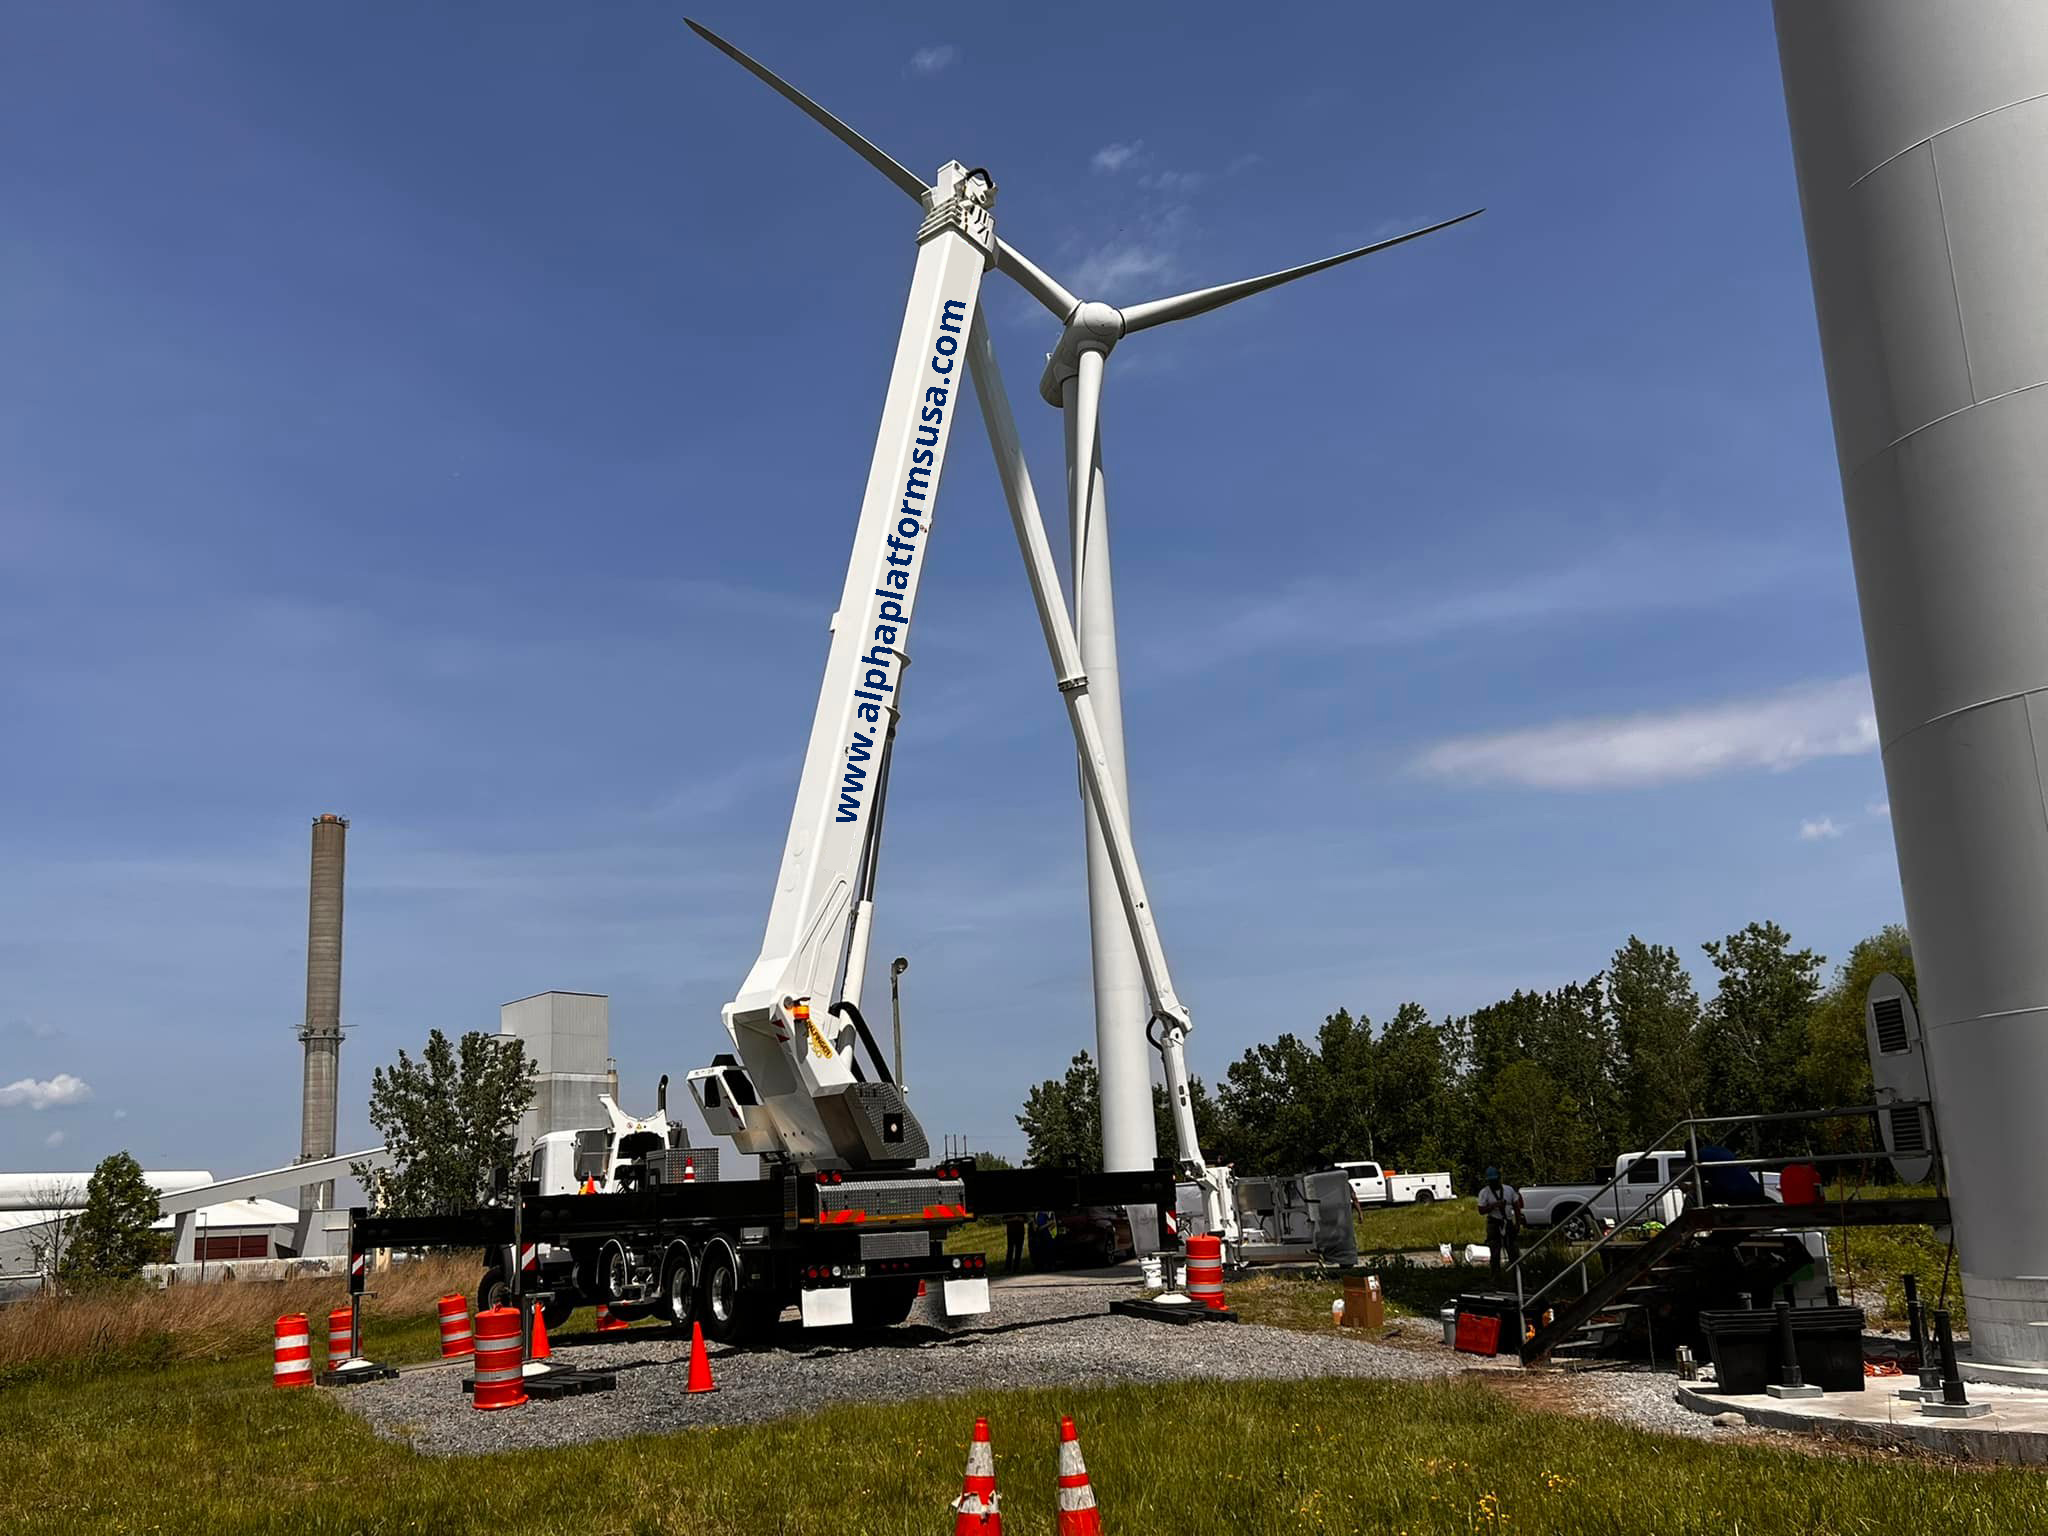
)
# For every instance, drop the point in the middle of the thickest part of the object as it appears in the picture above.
(1036, 1335)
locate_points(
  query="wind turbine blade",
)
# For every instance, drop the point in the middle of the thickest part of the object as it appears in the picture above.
(1181, 306)
(1084, 417)
(1034, 280)
(905, 178)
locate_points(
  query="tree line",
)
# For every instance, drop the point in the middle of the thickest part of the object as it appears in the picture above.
(1548, 1085)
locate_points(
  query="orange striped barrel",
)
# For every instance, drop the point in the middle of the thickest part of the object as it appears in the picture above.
(341, 1337)
(1205, 1271)
(456, 1338)
(292, 1364)
(499, 1383)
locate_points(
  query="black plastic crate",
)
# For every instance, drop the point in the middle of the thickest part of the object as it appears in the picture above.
(1743, 1347)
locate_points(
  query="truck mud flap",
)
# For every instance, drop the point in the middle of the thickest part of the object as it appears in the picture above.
(966, 1298)
(827, 1306)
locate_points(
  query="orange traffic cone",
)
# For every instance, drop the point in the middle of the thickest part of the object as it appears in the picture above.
(920, 1287)
(540, 1350)
(700, 1362)
(606, 1323)
(1078, 1515)
(978, 1510)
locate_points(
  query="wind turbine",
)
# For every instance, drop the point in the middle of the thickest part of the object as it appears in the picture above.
(1073, 382)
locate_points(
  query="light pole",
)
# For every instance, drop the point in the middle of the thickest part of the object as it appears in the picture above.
(896, 969)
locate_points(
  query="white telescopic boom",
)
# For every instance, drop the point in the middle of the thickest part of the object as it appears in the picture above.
(1167, 1009)
(812, 924)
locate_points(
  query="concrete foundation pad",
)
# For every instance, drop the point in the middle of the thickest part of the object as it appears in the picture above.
(2005, 1375)
(1955, 1410)
(2011, 1427)
(1798, 1392)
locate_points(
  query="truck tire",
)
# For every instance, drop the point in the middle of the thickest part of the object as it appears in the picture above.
(1574, 1222)
(494, 1290)
(883, 1303)
(679, 1286)
(1422, 1196)
(732, 1312)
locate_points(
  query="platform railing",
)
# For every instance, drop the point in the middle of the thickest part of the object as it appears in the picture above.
(1692, 1171)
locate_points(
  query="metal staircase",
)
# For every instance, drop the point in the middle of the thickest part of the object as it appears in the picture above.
(1630, 1269)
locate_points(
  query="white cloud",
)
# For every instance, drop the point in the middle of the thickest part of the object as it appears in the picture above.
(934, 60)
(45, 1093)
(1114, 157)
(1880, 809)
(1819, 831)
(120, 1114)
(1119, 263)
(54, 1139)
(1778, 731)
(1621, 579)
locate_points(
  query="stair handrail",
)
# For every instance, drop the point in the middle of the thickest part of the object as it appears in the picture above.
(1691, 1168)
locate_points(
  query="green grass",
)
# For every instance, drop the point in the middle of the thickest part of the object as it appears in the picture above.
(1395, 1228)
(210, 1447)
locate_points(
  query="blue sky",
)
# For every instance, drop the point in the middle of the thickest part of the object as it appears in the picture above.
(454, 417)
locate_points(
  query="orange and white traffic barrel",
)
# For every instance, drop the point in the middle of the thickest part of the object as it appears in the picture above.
(1205, 1271)
(456, 1335)
(341, 1337)
(499, 1383)
(292, 1364)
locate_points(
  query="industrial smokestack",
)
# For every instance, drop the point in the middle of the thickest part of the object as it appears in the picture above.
(322, 1032)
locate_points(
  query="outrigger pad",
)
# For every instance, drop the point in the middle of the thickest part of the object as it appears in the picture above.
(360, 1371)
(1166, 1312)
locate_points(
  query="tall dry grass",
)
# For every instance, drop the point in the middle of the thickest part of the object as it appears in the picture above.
(204, 1321)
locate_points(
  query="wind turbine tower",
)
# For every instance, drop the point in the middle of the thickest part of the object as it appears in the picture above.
(1920, 132)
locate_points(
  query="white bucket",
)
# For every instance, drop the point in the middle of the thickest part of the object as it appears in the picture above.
(1449, 1318)
(1477, 1253)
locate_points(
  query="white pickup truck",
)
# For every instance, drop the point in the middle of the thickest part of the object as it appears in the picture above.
(1584, 1205)
(1373, 1185)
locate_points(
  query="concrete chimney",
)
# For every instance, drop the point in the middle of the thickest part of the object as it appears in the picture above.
(322, 1032)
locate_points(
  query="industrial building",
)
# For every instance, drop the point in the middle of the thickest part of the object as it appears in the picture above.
(567, 1036)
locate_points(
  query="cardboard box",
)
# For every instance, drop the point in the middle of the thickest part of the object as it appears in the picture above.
(1364, 1306)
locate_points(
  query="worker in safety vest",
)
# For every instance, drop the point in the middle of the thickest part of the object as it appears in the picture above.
(1501, 1205)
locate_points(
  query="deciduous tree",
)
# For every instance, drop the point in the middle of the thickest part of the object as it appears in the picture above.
(449, 1119)
(1062, 1119)
(111, 1239)
(1754, 1034)
(1656, 1021)
(1836, 1066)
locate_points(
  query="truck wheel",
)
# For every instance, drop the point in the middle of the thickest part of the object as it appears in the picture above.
(1425, 1197)
(1577, 1223)
(883, 1303)
(679, 1288)
(730, 1315)
(495, 1290)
